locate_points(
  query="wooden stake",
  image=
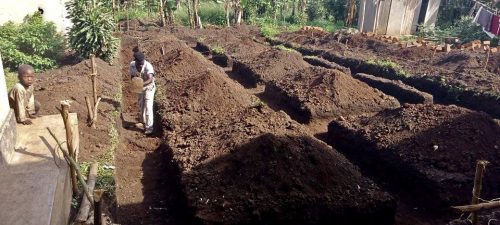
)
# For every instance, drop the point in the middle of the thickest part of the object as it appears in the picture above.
(69, 141)
(97, 207)
(83, 212)
(72, 163)
(478, 183)
(93, 78)
(477, 207)
(90, 114)
(487, 58)
(94, 117)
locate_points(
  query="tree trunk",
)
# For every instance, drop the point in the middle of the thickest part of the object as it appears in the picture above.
(302, 6)
(177, 4)
(238, 12)
(162, 14)
(196, 16)
(170, 13)
(227, 8)
(190, 16)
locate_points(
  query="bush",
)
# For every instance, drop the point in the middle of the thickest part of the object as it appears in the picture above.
(35, 42)
(465, 29)
(212, 13)
(134, 14)
(92, 30)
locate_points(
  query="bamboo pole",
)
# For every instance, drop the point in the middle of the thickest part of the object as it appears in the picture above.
(477, 207)
(90, 111)
(478, 183)
(72, 163)
(83, 212)
(97, 207)
(93, 77)
(94, 117)
(69, 141)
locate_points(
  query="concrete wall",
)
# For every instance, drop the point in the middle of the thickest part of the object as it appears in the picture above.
(4, 101)
(432, 13)
(7, 123)
(54, 11)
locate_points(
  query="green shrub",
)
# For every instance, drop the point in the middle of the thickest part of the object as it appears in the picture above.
(92, 30)
(217, 50)
(212, 13)
(134, 14)
(465, 29)
(35, 42)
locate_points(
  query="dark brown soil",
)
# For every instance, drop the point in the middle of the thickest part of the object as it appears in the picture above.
(432, 146)
(73, 83)
(285, 180)
(148, 181)
(267, 66)
(404, 93)
(208, 118)
(316, 93)
(465, 69)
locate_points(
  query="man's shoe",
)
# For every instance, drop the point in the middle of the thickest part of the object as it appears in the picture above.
(148, 132)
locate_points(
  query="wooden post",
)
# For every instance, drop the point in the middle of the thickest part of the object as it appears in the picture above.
(128, 21)
(97, 207)
(93, 77)
(72, 163)
(476, 192)
(90, 113)
(94, 117)
(69, 142)
(487, 58)
(83, 212)
(477, 207)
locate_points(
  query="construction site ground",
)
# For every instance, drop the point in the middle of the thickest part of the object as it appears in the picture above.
(259, 135)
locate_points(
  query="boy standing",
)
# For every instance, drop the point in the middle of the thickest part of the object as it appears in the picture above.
(142, 68)
(22, 98)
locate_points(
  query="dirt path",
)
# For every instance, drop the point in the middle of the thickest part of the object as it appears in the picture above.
(148, 190)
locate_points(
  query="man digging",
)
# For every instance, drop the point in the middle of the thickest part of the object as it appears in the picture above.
(141, 68)
(22, 98)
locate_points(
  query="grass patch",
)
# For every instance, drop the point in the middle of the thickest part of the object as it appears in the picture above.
(217, 50)
(388, 66)
(134, 14)
(284, 48)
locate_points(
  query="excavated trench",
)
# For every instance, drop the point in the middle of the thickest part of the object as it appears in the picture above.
(443, 92)
(220, 136)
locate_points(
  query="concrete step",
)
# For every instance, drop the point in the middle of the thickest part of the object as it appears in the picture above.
(35, 188)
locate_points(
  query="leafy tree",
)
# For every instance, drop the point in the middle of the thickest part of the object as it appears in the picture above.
(92, 29)
(35, 42)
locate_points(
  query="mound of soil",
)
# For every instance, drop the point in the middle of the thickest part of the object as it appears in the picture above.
(316, 92)
(74, 83)
(286, 180)
(208, 118)
(401, 91)
(303, 37)
(267, 66)
(434, 147)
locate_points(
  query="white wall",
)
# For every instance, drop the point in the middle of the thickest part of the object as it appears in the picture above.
(4, 100)
(16, 10)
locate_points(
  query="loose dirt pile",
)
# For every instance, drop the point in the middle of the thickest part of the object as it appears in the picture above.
(316, 93)
(212, 124)
(430, 149)
(267, 66)
(286, 180)
(74, 83)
